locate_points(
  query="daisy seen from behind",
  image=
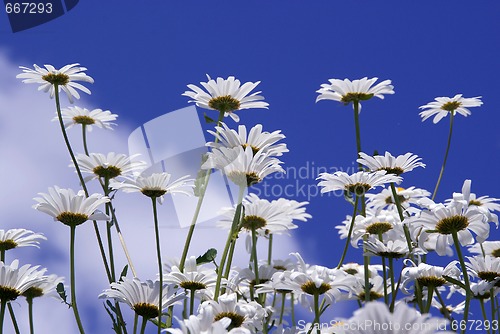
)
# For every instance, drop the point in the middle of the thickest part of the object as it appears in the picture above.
(72, 116)
(51, 78)
(226, 96)
(442, 106)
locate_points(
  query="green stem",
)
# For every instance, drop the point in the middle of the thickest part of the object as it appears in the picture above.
(316, 312)
(84, 137)
(229, 240)
(292, 303)
(391, 274)
(430, 291)
(191, 302)
(401, 217)
(230, 258)
(73, 277)
(2, 314)
(366, 263)
(254, 256)
(349, 235)
(270, 250)
(445, 156)
(468, 293)
(160, 270)
(203, 189)
(13, 318)
(492, 301)
(122, 240)
(394, 294)
(283, 295)
(358, 131)
(80, 177)
(30, 314)
(136, 317)
(444, 309)
(143, 325)
(384, 271)
(483, 311)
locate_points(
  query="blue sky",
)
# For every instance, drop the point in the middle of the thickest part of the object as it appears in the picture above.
(142, 56)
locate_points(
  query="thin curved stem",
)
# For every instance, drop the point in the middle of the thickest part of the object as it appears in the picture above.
(483, 311)
(349, 235)
(283, 295)
(30, 314)
(2, 314)
(401, 217)
(203, 189)
(160, 270)
(358, 130)
(254, 256)
(13, 318)
(136, 317)
(468, 293)
(143, 325)
(230, 236)
(445, 156)
(80, 177)
(84, 139)
(430, 292)
(270, 250)
(72, 279)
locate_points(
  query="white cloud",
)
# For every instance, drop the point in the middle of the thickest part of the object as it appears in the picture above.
(34, 158)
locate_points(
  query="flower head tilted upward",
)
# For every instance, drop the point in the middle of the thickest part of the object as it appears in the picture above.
(442, 106)
(88, 118)
(69, 208)
(391, 164)
(226, 96)
(64, 79)
(347, 91)
(358, 183)
(156, 185)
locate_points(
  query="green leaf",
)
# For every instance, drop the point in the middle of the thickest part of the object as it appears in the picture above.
(454, 281)
(208, 119)
(124, 272)
(208, 257)
(62, 293)
(431, 231)
(116, 327)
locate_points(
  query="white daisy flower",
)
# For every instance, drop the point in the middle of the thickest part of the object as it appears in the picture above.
(386, 224)
(455, 218)
(247, 275)
(226, 95)
(376, 288)
(280, 282)
(65, 79)
(486, 268)
(404, 319)
(484, 204)
(442, 106)
(358, 183)
(19, 237)
(331, 284)
(156, 185)
(427, 275)
(109, 166)
(200, 325)
(392, 165)
(347, 91)
(267, 217)
(44, 288)
(76, 115)
(193, 278)
(491, 248)
(358, 270)
(249, 315)
(391, 249)
(69, 208)
(14, 281)
(142, 297)
(242, 166)
(256, 139)
(385, 199)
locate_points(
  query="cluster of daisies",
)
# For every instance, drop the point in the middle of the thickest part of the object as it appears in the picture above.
(210, 294)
